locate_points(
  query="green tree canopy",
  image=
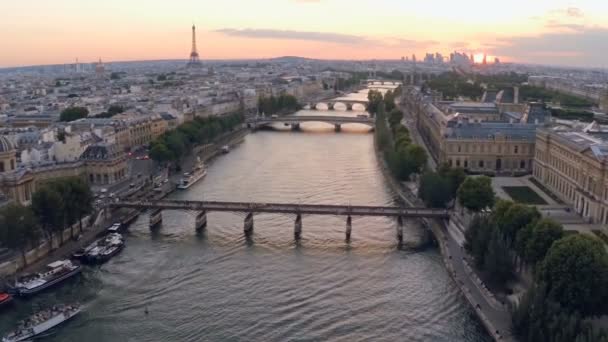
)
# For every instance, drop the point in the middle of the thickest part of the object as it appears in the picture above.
(516, 217)
(160, 152)
(575, 271)
(18, 228)
(394, 117)
(73, 113)
(434, 190)
(47, 205)
(541, 237)
(374, 98)
(476, 193)
(454, 175)
(416, 155)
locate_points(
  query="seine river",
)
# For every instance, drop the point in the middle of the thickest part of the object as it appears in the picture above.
(219, 286)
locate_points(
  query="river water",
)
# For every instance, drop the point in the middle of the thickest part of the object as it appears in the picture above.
(219, 286)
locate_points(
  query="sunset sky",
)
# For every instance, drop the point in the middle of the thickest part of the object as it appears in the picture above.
(535, 31)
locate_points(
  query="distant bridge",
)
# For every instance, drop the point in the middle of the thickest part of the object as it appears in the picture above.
(295, 121)
(347, 101)
(249, 208)
(381, 82)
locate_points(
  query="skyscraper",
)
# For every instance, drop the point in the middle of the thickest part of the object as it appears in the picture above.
(194, 60)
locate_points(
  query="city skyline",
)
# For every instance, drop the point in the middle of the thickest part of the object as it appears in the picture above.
(552, 33)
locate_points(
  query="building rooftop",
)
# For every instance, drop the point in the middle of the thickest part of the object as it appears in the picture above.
(101, 151)
(492, 130)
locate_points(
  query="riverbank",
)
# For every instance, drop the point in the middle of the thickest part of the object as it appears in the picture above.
(37, 258)
(442, 236)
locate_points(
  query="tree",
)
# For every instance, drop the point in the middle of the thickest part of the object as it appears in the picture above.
(516, 217)
(541, 237)
(18, 228)
(83, 198)
(389, 101)
(115, 109)
(73, 113)
(476, 193)
(434, 190)
(374, 98)
(454, 175)
(394, 117)
(497, 262)
(160, 153)
(575, 270)
(416, 155)
(63, 187)
(477, 237)
(47, 206)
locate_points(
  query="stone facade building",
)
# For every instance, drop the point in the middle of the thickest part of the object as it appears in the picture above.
(8, 155)
(477, 136)
(573, 165)
(105, 164)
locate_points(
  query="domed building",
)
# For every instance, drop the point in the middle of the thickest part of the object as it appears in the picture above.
(8, 155)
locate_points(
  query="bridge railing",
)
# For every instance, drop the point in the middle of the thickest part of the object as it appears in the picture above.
(320, 209)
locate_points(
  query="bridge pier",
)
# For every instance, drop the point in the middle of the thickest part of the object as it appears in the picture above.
(295, 126)
(200, 222)
(349, 107)
(313, 106)
(297, 230)
(349, 227)
(330, 106)
(248, 227)
(337, 127)
(156, 217)
(400, 230)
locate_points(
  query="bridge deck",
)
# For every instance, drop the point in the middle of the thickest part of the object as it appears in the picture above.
(286, 208)
(319, 118)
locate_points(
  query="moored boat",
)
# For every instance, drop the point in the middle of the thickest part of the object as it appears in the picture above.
(55, 273)
(103, 249)
(225, 149)
(197, 173)
(42, 321)
(5, 299)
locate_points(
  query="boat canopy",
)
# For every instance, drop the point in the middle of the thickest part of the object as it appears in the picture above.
(57, 263)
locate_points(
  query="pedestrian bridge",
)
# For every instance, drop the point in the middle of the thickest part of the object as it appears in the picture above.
(295, 121)
(250, 208)
(286, 208)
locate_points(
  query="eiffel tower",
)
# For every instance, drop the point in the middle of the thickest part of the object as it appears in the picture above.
(194, 60)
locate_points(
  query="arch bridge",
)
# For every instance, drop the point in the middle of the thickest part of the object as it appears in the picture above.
(295, 121)
(349, 103)
(249, 209)
(382, 82)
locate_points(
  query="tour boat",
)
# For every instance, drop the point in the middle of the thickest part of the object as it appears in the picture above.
(5, 298)
(225, 149)
(198, 171)
(41, 322)
(56, 272)
(103, 249)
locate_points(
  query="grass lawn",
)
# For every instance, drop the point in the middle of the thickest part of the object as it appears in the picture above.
(524, 194)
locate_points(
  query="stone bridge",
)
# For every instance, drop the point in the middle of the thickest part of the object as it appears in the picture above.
(348, 102)
(295, 121)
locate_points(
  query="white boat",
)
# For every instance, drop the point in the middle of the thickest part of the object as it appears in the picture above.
(103, 249)
(198, 171)
(56, 272)
(225, 149)
(41, 322)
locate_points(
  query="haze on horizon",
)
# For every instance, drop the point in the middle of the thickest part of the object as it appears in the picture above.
(543, 32)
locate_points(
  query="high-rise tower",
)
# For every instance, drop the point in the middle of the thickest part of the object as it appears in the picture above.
(194, 60)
